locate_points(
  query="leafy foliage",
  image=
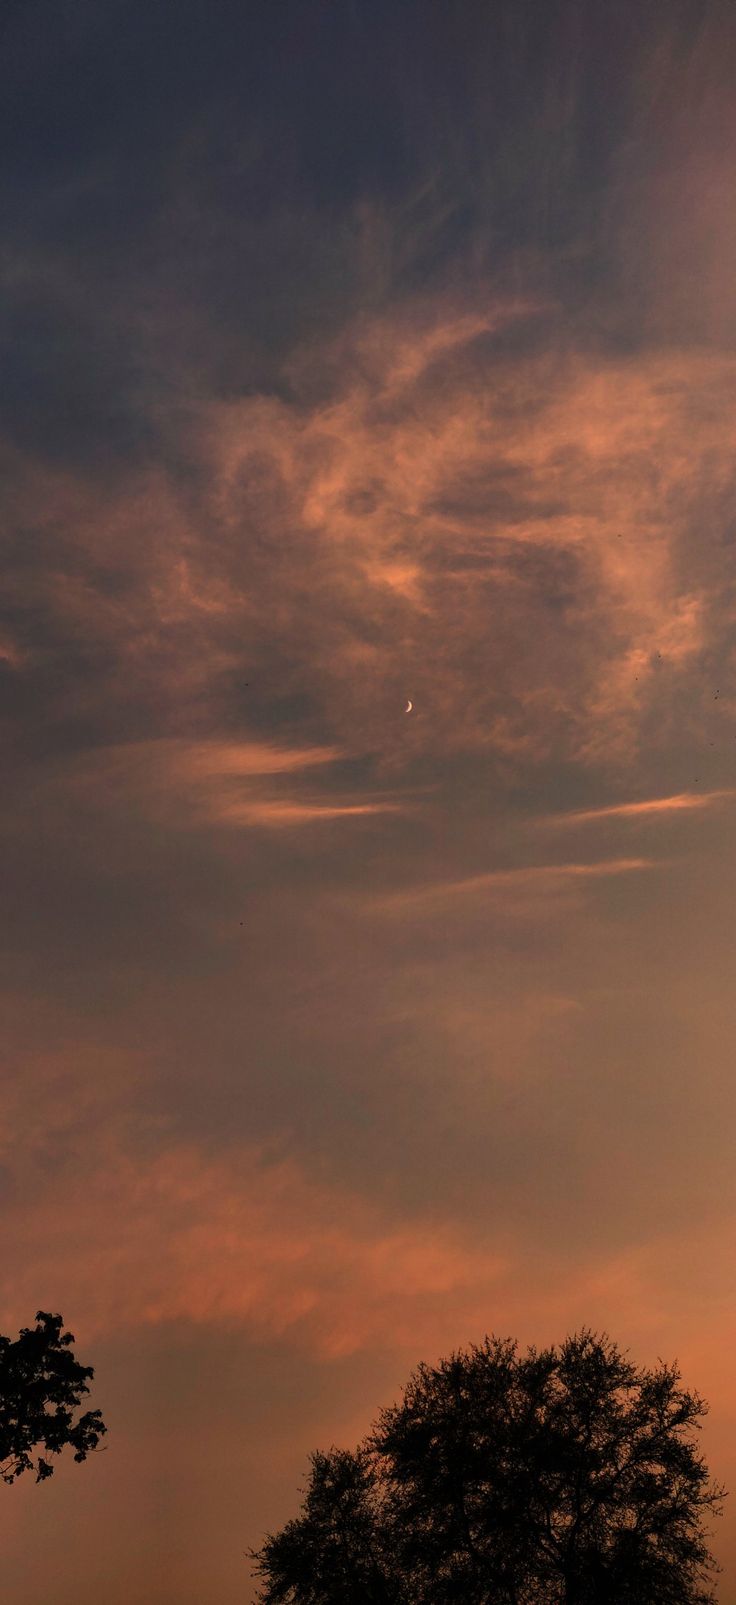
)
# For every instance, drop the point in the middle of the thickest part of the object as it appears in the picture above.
(336, 1548)
(41, 1386)
(564, 1477)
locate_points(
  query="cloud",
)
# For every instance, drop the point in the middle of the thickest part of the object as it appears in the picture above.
(493, 539)
(544, 878)
(191, 784)
(305, 1058)
(241, 1240)
(272, 812)
(512, 538)
(119, 1240)
(680, 802)
(246, 758)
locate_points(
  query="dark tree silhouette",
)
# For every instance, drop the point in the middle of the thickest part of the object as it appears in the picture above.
(41, 1386)
(564, 1477)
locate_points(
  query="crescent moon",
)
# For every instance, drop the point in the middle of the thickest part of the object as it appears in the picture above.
(408, 707)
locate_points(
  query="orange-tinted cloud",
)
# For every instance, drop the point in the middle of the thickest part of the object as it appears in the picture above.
(303, 1058)
(216, 783)
(530, 877)
(512, 543)
(242, 1241)
(680, 802)
(250, 1242)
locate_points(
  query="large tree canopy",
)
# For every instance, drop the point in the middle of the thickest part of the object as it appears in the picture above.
(564, 1477)
(41, 1387)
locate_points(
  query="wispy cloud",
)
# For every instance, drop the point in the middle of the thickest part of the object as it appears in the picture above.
(218, 758)
(485, 537)
(276, 812)
(245, 1240)
(537, 877)
(252, 1243)
(324, 1027)
(678, 802)
(219, 782)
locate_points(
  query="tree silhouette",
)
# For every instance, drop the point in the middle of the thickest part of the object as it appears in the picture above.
(41, 1386)
(564, 1477)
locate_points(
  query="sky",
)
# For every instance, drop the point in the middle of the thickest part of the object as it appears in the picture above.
(358, 354)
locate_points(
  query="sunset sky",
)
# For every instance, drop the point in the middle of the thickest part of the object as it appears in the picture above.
(358, 353)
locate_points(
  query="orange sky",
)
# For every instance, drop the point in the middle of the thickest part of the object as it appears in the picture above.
(337, 1036)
